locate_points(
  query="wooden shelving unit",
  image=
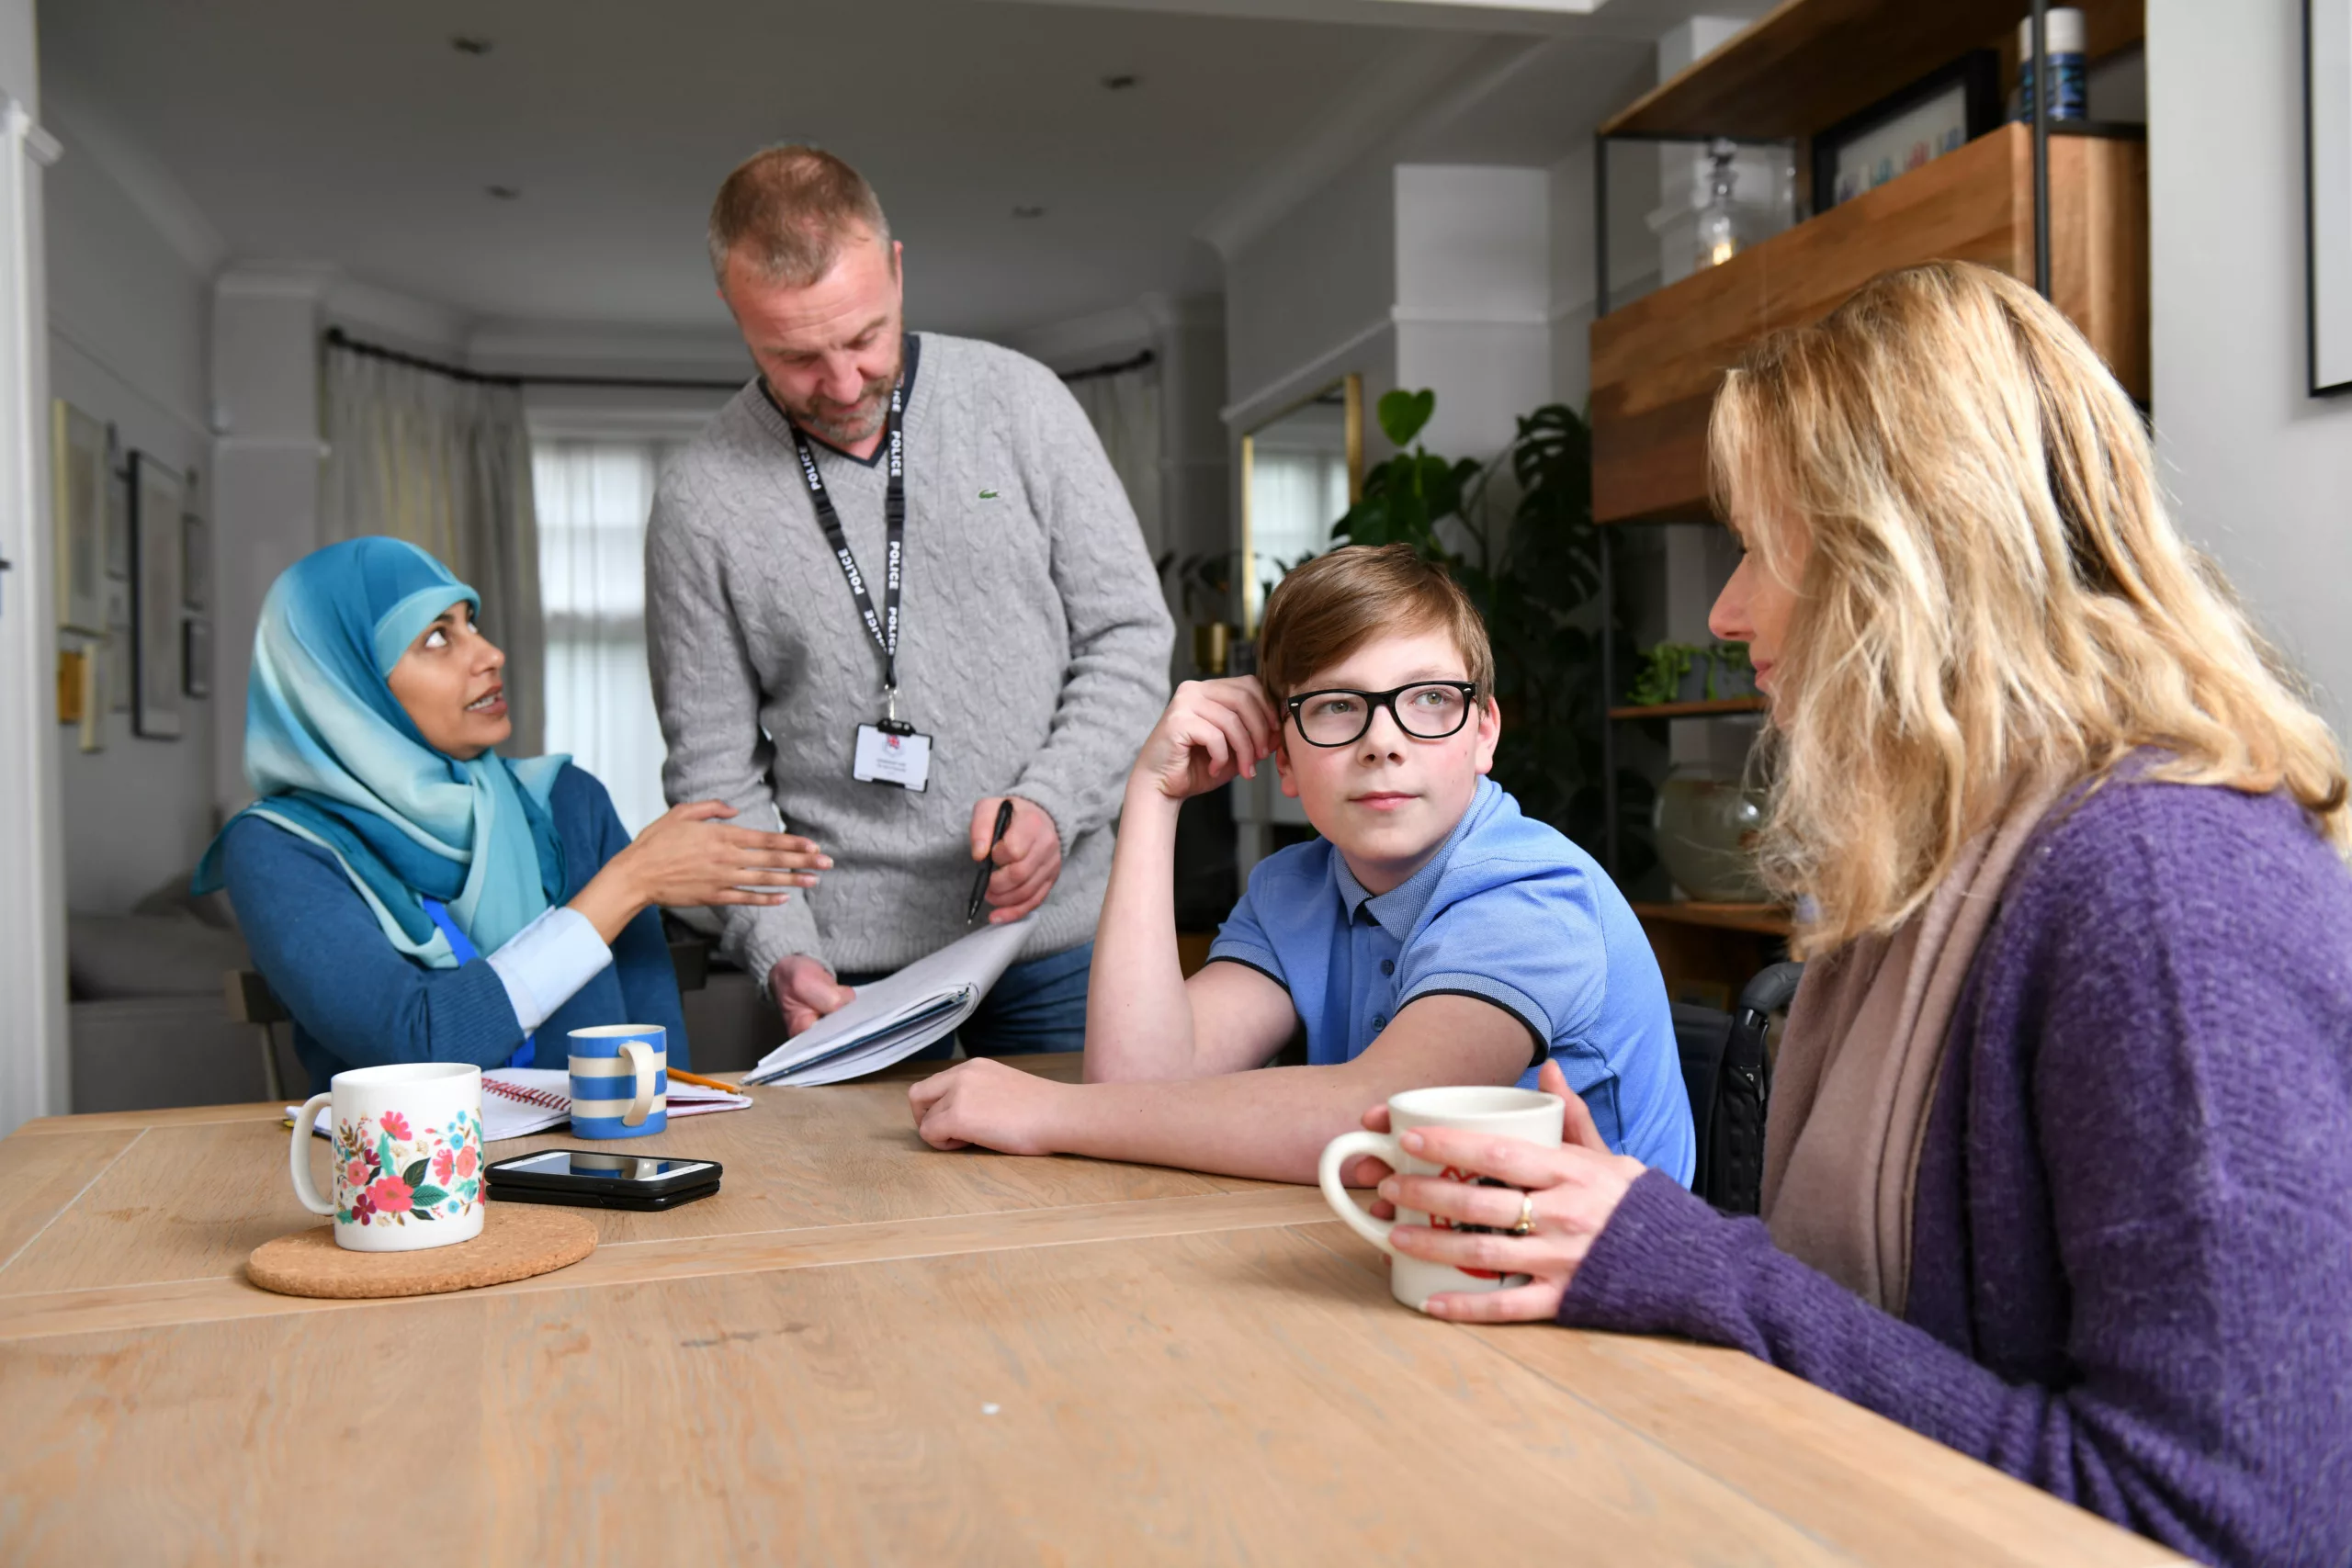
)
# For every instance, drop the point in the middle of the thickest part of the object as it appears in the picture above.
(1809, 63)
(1765, 920)
(1705, 709)
(1657, 361)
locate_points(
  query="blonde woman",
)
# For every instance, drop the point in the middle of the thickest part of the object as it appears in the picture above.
(2059, 1159)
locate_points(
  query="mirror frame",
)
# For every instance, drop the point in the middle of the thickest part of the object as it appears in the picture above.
(1351, 388)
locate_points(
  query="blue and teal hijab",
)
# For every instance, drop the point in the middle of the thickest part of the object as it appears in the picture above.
(337, 761)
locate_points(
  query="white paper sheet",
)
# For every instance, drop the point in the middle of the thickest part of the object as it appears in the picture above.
(896, 1016)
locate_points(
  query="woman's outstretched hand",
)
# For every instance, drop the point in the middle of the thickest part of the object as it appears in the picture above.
(1575, 1188)
(689, 856)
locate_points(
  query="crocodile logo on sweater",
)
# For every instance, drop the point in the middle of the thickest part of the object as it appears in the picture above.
(988, 495)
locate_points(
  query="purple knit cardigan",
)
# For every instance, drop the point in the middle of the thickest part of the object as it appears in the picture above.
(2132, 1251)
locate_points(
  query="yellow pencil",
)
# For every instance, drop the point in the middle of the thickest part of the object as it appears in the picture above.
(682, 1075)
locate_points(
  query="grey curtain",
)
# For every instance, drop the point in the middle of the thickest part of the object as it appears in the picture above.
(1125, 411)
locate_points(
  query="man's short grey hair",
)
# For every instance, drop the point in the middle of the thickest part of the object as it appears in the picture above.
(788, 210)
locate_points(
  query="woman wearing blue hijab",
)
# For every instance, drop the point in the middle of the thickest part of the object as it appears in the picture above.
(409, 894)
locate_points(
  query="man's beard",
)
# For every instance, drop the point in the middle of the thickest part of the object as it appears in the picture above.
(845, 424)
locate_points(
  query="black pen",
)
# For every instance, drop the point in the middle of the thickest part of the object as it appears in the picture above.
(987, 863)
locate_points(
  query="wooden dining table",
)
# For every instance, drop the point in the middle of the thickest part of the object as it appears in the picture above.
(864, 1350)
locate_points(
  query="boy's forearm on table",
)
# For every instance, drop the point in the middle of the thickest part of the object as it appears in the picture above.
(1138, 1019)
(1270, 1124)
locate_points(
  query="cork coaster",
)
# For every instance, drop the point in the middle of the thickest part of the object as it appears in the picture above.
(517, 1241)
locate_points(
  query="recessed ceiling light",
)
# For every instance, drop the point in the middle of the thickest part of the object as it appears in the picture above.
(1028, 212)
(503, 193)
(1122, 81)
(467, 43)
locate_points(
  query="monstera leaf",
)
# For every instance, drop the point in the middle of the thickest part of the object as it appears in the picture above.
(1402, 414)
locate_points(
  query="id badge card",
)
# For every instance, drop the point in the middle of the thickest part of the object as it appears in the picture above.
(888, 757)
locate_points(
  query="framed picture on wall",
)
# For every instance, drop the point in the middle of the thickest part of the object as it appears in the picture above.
(1937, 114)
(158, 497)
(2327, 193)
(117, 510)
(196, 562)
(116, 645)
(196, 664)
(78, 479)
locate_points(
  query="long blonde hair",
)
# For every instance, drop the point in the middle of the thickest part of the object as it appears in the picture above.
(1990, 587)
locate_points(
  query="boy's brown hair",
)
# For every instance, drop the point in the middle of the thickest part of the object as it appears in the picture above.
(1335, 603)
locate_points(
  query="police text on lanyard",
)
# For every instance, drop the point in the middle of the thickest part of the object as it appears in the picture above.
(890, 752)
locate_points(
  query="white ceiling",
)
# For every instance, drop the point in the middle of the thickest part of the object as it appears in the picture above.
(357, 135)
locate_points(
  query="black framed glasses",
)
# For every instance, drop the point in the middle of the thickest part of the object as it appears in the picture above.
(1426, 710)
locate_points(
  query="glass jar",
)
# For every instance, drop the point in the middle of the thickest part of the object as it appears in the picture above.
(1706, 823)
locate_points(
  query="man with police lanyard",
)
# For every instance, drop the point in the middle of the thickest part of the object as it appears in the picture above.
(1012, 645)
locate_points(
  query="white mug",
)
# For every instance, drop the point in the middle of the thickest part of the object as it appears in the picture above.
(407, 1155)
(1510, 1112)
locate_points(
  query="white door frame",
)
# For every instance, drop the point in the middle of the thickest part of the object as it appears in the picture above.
(34, 1064)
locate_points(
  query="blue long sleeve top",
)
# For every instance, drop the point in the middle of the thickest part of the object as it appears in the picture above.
(359, 1002)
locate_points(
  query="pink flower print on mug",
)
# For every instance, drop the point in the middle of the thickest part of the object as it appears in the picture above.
(391, 1196)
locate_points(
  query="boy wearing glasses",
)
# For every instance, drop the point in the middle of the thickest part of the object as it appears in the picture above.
(1432, 934)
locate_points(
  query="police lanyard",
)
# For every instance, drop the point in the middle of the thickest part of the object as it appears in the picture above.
(884, 627)
(463, 952)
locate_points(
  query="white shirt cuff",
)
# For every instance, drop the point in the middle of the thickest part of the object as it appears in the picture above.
(544, 964)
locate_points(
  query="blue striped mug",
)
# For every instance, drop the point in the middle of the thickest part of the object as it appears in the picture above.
(620, 1080)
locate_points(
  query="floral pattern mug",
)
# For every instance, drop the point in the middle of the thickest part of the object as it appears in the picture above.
(406, 1156)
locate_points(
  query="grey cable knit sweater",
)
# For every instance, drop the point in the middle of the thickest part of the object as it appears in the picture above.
(1033, 649)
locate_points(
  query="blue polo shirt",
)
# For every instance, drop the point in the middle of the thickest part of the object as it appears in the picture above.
(1507, 911)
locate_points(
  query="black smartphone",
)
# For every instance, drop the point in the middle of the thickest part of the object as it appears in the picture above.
(570, 1198)
(591, 1178)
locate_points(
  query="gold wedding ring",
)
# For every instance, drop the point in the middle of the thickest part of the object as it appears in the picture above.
(1526, 1225)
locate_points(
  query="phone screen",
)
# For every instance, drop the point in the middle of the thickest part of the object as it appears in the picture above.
(558, 1164)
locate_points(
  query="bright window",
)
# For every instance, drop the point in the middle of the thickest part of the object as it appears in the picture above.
(593, 499)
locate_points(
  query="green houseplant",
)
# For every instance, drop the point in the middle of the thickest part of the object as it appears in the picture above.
(1664, 670)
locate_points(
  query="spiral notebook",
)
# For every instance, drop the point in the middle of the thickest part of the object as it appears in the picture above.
(893, 1018)
(519, 1101)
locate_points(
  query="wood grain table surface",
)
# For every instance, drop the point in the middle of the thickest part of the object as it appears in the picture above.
(864, 1351)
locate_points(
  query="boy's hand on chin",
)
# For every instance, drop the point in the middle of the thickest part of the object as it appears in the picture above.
(1211, 731)
(984, 1102)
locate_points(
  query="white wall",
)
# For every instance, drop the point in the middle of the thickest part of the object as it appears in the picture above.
(1568, 200)
(128, 318)
(20, 59)
(1309, 300)
(1195, 507)
(1474, 296)
(2262, 473)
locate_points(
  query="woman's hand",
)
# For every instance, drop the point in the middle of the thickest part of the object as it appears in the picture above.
(1575, 1189)
(1211, 731)
(686, 857)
